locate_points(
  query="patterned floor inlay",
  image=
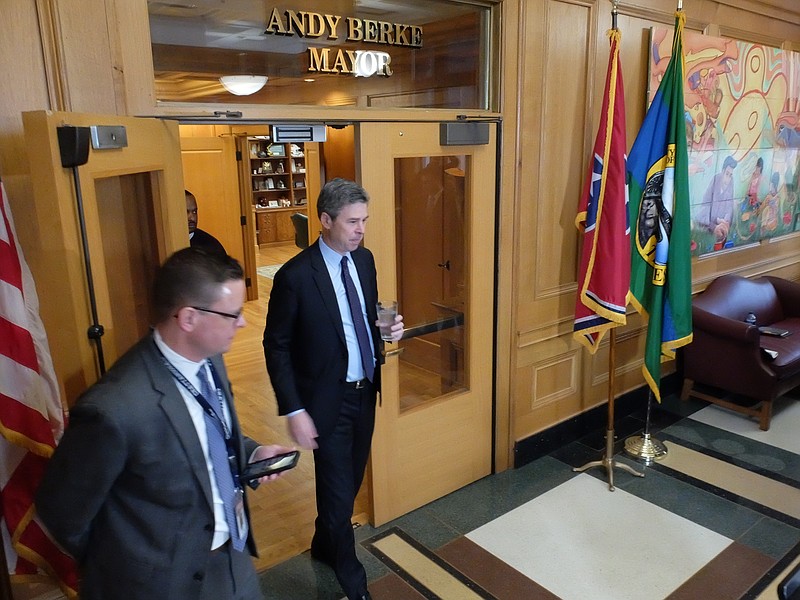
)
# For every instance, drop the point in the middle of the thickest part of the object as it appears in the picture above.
(745, 484)
(432, 577)
(718, 518)
(611, 543)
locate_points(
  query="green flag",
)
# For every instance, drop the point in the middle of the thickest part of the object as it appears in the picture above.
(658, 180)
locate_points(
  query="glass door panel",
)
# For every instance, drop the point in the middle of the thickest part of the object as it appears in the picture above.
(431, 258)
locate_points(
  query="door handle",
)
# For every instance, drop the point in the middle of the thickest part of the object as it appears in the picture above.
(444, 265)
(394, 352)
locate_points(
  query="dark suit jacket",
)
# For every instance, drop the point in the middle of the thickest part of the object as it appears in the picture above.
(206, 241)
(304, 340)
(127, 491)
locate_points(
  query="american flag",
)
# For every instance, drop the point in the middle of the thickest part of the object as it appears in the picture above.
(32, 417)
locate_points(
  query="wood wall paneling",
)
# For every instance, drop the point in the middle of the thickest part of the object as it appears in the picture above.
(87, 51)
(568, 83)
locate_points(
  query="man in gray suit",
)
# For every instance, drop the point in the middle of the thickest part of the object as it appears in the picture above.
(135, 491)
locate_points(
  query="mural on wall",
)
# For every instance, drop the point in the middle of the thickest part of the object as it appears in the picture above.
(742, 110)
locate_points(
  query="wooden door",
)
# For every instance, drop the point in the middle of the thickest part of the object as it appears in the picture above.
(431, 229)
(134, 213)
(211, 173)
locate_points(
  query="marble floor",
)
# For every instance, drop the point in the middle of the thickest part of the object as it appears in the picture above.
(717, 518)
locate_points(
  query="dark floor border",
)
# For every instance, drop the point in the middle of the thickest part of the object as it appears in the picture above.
(772, 574)
(433, 557)
(545, 442)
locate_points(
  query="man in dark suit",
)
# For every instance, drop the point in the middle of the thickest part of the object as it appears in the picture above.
(197, 237)
(323, 359)
(135, 491)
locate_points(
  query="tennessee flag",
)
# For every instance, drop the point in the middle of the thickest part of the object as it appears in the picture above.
(31, 417)
(661, 269)
(604, 273)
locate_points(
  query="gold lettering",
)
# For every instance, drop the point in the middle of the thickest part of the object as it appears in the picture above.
(340, 65)
(401, 35)
(315, 25)
(333, 23)
(385, 35)
(295, 21)
(354, 30)
(383, 65)
(659, 275)
(416, 36)
(318, 60)
(370, 31)
(275, 25)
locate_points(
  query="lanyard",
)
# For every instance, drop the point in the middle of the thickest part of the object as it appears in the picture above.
(217, 419)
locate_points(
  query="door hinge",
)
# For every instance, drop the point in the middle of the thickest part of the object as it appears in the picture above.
(247, 282)
(243, 219)
(238, 156)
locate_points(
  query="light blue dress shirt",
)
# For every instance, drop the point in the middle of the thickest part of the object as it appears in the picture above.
(333, 260)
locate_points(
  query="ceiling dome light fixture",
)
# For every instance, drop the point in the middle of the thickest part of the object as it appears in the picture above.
(243, 85)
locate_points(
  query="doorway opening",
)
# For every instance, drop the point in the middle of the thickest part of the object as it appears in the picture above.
(236, 171)
(431, 232)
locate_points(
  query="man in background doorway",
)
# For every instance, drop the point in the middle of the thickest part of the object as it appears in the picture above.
(323, 353)
(197, 237)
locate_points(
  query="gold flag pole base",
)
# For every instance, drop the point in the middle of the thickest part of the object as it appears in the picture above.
(608, 462)
(645, 448)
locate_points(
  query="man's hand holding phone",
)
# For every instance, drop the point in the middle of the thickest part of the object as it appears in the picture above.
(268, 462)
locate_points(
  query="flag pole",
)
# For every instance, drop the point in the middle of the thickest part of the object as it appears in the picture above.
(608, 461)
(603, 305)
(6, 592)
(645, 447)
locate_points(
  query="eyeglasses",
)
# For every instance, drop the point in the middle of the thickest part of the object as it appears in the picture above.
(235, 317)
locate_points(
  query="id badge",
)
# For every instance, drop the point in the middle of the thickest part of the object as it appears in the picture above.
(241, 517)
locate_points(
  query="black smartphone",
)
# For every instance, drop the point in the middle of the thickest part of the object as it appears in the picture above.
(268, 466)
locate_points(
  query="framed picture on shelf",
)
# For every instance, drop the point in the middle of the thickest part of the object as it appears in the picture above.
(276, 150)
(273, 204)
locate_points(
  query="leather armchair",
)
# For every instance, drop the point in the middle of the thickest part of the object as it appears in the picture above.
(732, 356)
(300, 222)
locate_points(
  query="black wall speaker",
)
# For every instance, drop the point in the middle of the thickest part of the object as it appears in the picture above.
(73, 143)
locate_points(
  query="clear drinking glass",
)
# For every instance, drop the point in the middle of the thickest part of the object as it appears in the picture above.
(387, 311)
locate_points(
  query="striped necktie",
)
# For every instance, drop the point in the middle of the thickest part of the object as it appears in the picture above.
(362, 336)
(219, 458)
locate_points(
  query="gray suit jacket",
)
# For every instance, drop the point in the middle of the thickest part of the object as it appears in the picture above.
(127, 491)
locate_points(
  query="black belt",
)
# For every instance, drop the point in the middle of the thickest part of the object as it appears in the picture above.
(357, 385)
(223, 548)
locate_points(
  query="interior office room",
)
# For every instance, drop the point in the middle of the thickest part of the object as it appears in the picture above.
(471, 124)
